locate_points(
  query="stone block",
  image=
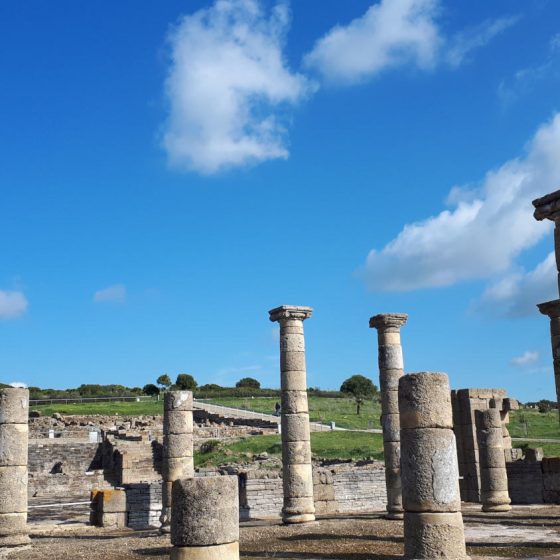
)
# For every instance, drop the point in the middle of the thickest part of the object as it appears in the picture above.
(13, 489)
(491, 437)
(178, 422)
(390, 402)
(297, 480)
(13, 445)
(178, 445)
(293, 380)
(489, 418)
(175, 468)
(295, 427)
(296, 452)
(392, 454)
(434, 535)
(391, 427)
(425, 401)
(390, 357)
(112, 501)
(323, 492)
(493, 480)
(292, 361)
(14, 405)
(389, 379)
(429, 471)
(229, 551)
(205, 511)
(13, 524)
(178, 400)
(294, 342)
(117, 520)
(492, 457)
(294, 402)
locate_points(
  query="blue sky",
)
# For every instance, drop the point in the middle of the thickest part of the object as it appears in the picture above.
(171, 171)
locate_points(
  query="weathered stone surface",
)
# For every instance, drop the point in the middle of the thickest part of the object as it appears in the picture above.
(297, 506)
(13, 489)
(391, 427)
(178, 400)
(175, 468)
(14, 405)
(425, 401)
(389, 380)
(290, 313)
(295, 427)
(298, 480)
(390, 357)
(429, 471)
(205, 511)
(13, 524)
(292, 342)
(388, 322)
(178, 422)
(493, 480)
(13, 445)
(178, 445)
(292, 361)
(229, 551)
(492, 457)
(112, 501)
(293, 381)
(489, 418)
(392, 453)
(296, 452)
(20, 539)
(294, 402)
(434, 535)
(492, 437)
(390, 402)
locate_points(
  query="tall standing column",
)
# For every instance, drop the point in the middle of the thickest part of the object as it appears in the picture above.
(433, 524)
(494, 493)
(552, 309)
(14, 412)
(391, 367)
(178, 462)
(297, 474)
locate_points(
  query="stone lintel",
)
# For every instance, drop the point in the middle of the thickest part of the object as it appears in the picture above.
(287, 312)
(388, 320)
(550, 308)
(547, 207)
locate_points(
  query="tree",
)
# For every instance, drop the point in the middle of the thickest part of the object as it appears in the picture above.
(360, 388)
(164, 381)
(186, 382)
(248, 382)
(151, 390)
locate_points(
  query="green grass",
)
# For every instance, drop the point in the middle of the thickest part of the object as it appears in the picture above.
(549, 449)
(324, 445)
(321, 409)
(533, 424)
(123, 408)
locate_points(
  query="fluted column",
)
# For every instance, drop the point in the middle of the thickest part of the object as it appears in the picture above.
(494, 493)
(391, 366)
(178, 462)
(14, 412)
(433, 524)
(297, 474)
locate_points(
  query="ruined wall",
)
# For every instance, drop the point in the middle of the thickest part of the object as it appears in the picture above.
(534, 480)
(465, 402)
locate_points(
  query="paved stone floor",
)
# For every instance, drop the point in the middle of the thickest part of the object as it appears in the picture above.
(526, 532)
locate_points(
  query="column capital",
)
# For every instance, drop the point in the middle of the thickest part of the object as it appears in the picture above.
(290, 312)
(388, 321)
(547, 207)
(550, 308)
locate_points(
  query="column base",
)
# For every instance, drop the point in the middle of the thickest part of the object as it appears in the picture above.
(496, 508)
(228, 551)
(298, 518)
(10, 541)
(165, 520)
(394, 515)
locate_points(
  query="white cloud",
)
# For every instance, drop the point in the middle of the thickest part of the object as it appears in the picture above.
(18, 384)
(517, 293)
(116, 293)
(527, 358)
(229, 87)
(475, 37)
(480, 237)
(13, 304)
(391, 33)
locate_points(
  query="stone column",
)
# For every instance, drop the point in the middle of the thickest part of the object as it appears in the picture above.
(14, 412)
(552, 309)
(493, 475)
(433, 524)
(391, 366)
(205, 520)
(297, 473)
(177, 458)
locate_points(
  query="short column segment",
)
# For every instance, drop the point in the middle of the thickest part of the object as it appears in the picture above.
(14, 412)
(391, 367)
(433, 524)
(494, 493)
(205, 519)
(178, 462)
(299, 506)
